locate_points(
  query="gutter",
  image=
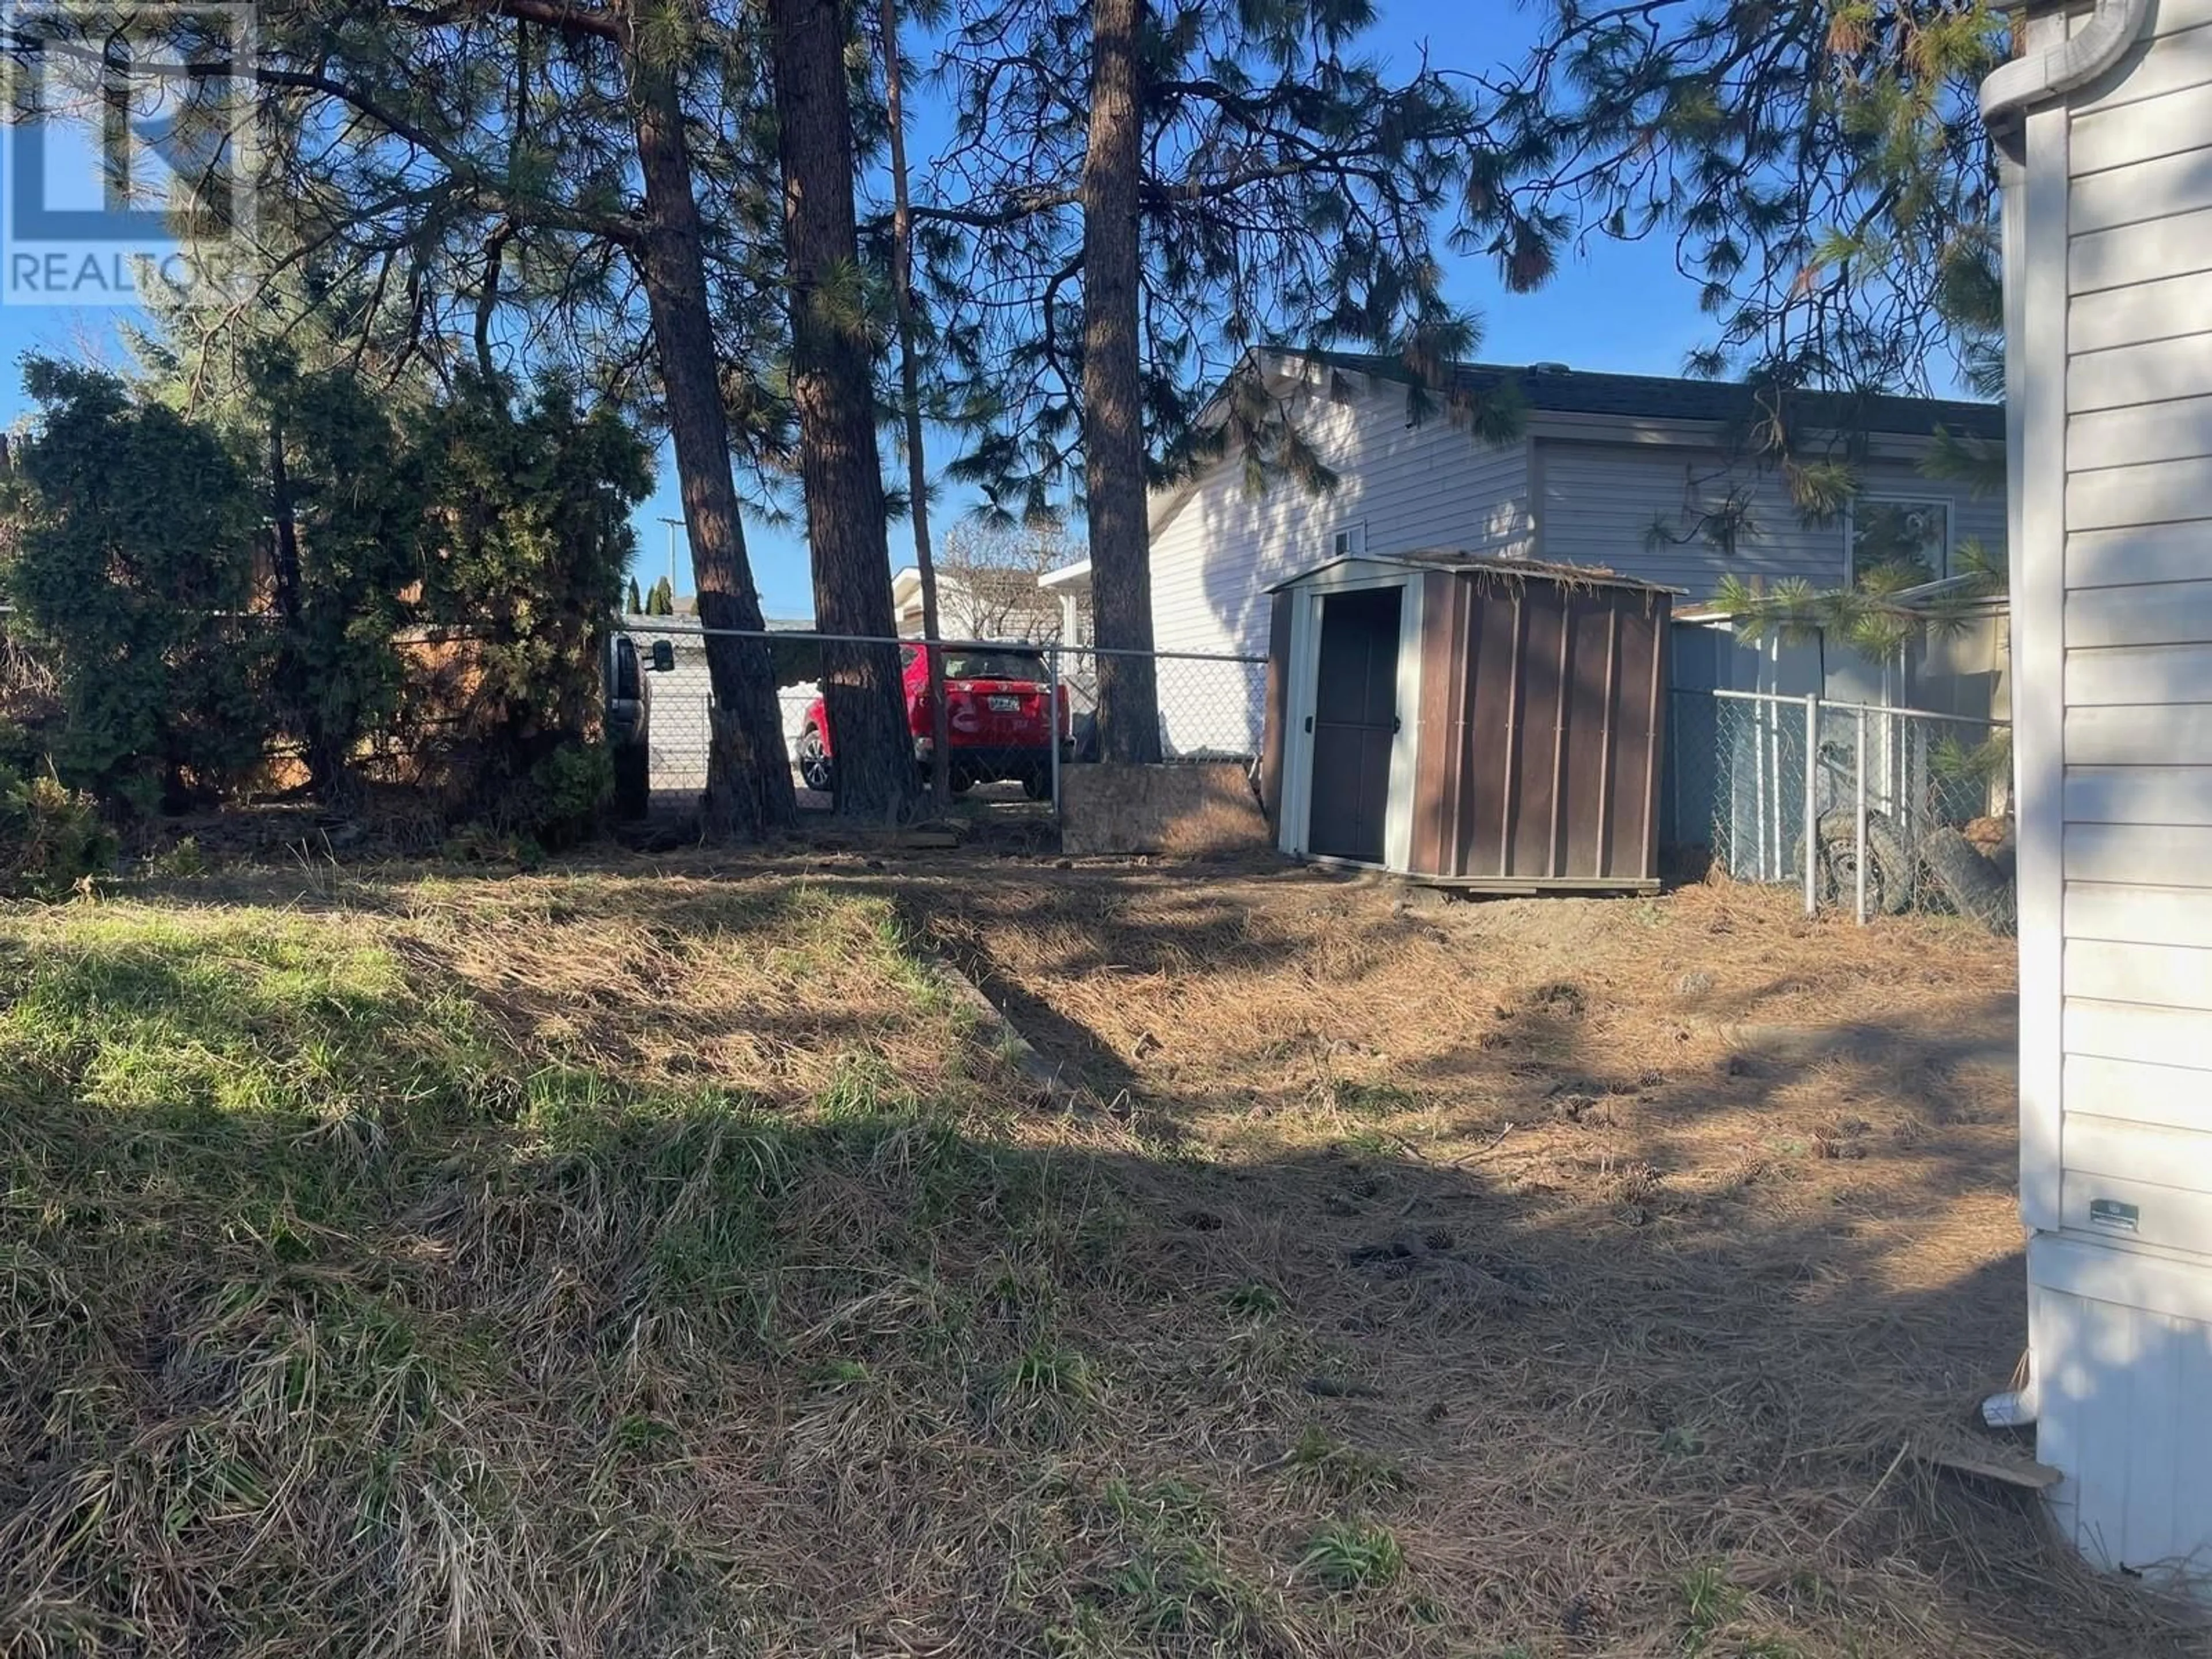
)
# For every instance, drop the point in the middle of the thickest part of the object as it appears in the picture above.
(2037, 77)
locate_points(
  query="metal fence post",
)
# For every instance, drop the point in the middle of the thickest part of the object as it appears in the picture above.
(1052, 721)
(1812, 802)
(1859, 815)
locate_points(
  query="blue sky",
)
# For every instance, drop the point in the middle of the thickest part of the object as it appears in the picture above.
(1618, 308)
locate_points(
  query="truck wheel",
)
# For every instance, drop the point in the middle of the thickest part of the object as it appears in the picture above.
(1889, 872)
(633, 781)
(1969, 882)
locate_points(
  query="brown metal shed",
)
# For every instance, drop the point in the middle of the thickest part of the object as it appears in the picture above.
(1487, 723)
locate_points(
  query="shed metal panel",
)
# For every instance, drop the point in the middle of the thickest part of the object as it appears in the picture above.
(1538, 724)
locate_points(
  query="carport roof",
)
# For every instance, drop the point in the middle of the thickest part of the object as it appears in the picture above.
(1459, 563)
(1556, 389)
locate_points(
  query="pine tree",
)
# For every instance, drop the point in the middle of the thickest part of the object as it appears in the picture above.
(1113, 393)
(320, 427)
(350, 503)
(632, 604)
(832, 376)
(532, 534)
(1140, 195)
(520, 182)
(1819, 164)
(163, 674)
(661, 601)
(910, 409)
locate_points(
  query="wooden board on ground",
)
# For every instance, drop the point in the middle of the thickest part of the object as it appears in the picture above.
(1201, 810)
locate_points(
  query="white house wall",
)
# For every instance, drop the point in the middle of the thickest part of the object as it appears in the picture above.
(1405, 486)
(2137, 618)
(2110, 261)
(1600, 500)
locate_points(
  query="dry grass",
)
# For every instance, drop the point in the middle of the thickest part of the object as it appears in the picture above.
(657, 1262)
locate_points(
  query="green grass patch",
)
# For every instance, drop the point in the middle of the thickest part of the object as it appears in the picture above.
(1349, 1555)
(353, 1269)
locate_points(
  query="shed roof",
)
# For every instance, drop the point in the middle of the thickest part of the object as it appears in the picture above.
(1555, 388)
(1460, 564)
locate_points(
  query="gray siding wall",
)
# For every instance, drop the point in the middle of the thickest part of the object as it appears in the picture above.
(1430, 485)
(1600, 500)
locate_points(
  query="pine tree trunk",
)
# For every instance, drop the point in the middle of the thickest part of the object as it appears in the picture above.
(748, 789)
(833, 388)
(325, 768)
(917, 471)
(1112, 413)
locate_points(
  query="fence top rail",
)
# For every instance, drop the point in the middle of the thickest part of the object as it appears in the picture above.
(1163, 656)
(632, 625)
(1785, 700)
(650, 626)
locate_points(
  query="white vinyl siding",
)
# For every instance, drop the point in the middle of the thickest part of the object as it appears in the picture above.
(2137, 685)
(2138, 191)
(2169, 58)
(2136, 555)
(2178, 430)
(1401, 487)
(2152, 915)
(1600, 502)
(2136, 374)
(2123, 1342)
(2145, 312)
(2126, 794)
(2112, 602)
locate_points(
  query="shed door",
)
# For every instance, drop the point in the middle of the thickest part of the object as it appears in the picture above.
(1354, 723)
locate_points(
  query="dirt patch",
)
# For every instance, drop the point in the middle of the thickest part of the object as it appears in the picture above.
(1628, 1296)
(1185, 811)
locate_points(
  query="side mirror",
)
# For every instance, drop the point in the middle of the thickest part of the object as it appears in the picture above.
(663, 657)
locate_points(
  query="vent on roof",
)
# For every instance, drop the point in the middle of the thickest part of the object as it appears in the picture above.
(1549, 368)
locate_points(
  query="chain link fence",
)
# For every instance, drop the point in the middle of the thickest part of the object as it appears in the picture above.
(1865, 809)
(1212, 705)
(1211, 708)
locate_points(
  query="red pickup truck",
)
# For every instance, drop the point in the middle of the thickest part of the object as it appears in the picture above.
(995, 699)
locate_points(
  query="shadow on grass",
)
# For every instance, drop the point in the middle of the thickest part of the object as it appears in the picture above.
(341, 1321)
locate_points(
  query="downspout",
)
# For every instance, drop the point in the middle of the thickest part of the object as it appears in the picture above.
(2008, 94)
(2037, 77)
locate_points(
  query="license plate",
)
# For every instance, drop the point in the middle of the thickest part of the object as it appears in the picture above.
(1006, 705)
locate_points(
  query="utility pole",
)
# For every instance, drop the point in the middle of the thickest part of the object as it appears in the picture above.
(672, 524)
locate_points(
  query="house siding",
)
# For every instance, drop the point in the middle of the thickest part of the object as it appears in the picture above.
(2136, 845)
(1600, 502)
(2113, 605)
(1430, 485)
